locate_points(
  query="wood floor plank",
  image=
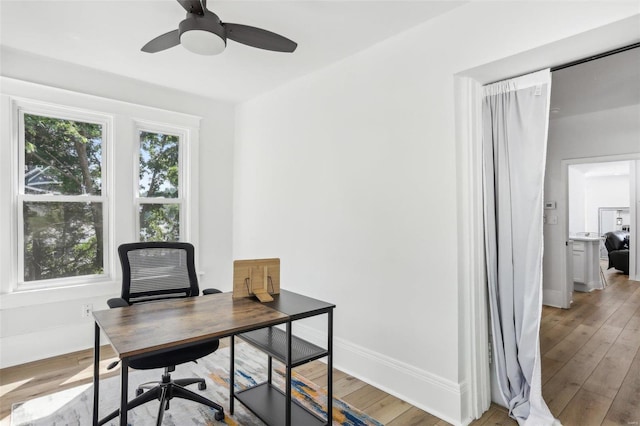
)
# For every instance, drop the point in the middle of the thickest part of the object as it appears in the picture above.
(585, 409)
(387, 409)
(323, 380)
(608, 376)
(364, 397)
(495, 415)
(312, 370)
(415, 417)
(563, 386)
(625, 409)
(550, 367)
(602, 313)
(550, 318)
(500, 418)
(554, 337)
(346, 385)
(572, 343)
(634, 322)
(623, 314)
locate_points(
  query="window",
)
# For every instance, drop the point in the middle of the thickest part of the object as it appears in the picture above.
(62, 203)
(82, 176)
(159, 186)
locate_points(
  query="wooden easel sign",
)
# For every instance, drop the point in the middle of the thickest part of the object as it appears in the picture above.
(256, 277)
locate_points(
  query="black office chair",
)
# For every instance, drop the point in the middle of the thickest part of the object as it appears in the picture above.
(154, 271)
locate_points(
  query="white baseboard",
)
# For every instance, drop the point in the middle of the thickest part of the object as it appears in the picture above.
(436, 395)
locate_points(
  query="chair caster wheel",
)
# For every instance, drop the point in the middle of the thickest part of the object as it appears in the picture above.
(139, 392)
(219, 416)
(202, 386)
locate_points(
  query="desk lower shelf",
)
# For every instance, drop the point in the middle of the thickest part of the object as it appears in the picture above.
(268, 403)
(273, 341)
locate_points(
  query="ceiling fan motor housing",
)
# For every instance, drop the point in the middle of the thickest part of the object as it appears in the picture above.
(203, 34)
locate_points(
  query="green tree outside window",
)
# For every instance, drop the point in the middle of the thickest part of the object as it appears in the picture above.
(62, 158)
(159, 179)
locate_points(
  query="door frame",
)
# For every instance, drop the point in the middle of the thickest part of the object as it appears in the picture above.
(633, 216)
(473, 320)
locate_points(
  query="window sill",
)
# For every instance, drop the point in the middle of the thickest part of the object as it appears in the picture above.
(22, 298)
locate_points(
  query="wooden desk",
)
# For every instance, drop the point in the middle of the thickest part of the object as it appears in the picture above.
(159, 326)
(153, 327)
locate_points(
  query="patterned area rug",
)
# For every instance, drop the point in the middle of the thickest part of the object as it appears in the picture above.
(72, 407)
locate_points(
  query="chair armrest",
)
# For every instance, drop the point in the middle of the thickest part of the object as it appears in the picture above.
(210, 291)
(117, 302)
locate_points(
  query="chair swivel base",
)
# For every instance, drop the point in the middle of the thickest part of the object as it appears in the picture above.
(165, 391)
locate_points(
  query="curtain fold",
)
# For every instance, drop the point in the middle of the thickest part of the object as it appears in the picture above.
(515, 117)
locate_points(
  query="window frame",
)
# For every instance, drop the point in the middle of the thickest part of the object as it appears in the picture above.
(20, 108)
(182, 199)
(121, 157)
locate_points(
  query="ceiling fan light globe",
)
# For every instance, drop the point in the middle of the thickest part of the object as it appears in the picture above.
(202, 42)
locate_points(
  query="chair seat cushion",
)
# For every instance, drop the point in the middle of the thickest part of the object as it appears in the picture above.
(176, 356)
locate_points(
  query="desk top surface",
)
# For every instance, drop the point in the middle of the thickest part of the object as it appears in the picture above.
(165, 324)
(298, 306)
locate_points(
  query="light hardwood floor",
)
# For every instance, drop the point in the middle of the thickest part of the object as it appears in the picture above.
(590, 368)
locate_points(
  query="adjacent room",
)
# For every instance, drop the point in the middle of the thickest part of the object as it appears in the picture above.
(319, 170)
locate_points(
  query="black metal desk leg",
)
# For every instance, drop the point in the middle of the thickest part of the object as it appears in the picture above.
(96, 373)
(287, 405)
(232, 373)
(124, 391)
(330, 368)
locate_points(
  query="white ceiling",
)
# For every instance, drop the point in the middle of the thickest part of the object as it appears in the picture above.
(606, 83)
(108, 35)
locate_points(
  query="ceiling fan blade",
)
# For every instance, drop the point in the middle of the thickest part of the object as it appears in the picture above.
(257, 37)
(162, 42)
(192, 6)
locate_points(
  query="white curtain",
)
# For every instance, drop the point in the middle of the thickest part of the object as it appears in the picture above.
(515, 121)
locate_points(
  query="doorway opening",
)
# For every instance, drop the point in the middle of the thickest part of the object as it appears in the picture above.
(599, 199)
(468, 137)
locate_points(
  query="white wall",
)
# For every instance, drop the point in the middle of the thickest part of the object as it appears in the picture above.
(47, 323)
(589, 193)
(605, 191)
(603, 133)
(349, 176)
(577, 194)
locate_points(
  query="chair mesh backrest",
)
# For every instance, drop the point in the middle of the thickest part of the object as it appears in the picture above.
(157, 270)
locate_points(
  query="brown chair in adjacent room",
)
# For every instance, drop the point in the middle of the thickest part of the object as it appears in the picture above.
(154, 271)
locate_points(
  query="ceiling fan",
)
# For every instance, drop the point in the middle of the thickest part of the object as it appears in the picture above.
(202, 32)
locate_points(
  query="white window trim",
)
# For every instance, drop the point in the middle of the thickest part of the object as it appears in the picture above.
(20, 108)
(125, 115)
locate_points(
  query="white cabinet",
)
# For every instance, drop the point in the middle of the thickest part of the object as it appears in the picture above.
(578, 262)
(586, 263)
